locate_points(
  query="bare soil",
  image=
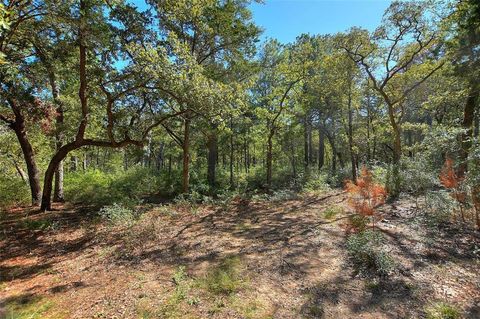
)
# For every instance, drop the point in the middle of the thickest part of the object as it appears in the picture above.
(294, 263)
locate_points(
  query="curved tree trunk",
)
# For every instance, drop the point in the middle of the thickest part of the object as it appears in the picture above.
(29, 156)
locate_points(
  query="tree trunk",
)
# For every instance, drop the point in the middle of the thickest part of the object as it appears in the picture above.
(50, 172)
(33, 173)
(466, 136)
(334, 153)
(20, 170)
(232, 185)
(350, 139)
(269, 159)
(294, 166)
(306, 144)
(321, 149)
(211, 158)
(186, 156)
(59, 136)
(397, 136)
(58, 189)
(73, 163)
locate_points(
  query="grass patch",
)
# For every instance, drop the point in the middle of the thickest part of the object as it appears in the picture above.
(332, 212)
(30, 307)
(225, 278)
(39, 224)
(443, 310)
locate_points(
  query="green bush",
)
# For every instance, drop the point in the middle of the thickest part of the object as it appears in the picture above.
(365, 250)
(439, 207)
(317, 182)
(103, 188)
(117, 214)
(13, 191)
(338, 178)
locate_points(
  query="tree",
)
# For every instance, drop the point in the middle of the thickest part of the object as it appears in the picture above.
(407, 46)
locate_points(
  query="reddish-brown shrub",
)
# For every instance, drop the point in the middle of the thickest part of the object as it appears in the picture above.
(450, 180)
(365, 195)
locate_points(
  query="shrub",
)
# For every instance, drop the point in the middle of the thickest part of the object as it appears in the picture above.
(417, 176)
(332, 211)
(317, 182)
(365, 195)
(357, 223)
(102, 188)
(365, 252)
(393, 180)
(439, 206)
(450, 180)
(13, 191)
(283, 195)
(117, 214)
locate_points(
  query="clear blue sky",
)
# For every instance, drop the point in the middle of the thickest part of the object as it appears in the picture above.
(286, 19)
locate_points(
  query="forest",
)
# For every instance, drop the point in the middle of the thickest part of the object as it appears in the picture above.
(165, 159)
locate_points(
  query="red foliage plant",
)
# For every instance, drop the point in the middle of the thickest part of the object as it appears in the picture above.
(448, 177)
(452, 181)
(365, 195)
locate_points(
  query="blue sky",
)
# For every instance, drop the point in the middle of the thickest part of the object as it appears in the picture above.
(286, 19)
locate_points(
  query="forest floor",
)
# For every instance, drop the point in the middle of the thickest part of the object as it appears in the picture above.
(246, 259)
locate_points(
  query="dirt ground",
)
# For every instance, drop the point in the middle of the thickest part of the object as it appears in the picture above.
(290, 257)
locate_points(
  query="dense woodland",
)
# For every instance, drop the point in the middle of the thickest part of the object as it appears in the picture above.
(103, 103)
(186, 92)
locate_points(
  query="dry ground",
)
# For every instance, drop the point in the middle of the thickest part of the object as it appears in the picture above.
(288, 259)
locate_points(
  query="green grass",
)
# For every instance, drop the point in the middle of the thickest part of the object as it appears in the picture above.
(29, 308)
(332, 211)
(39, 224)
(225, 278)
(443, 310)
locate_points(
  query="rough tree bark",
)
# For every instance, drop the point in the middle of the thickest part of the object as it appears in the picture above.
(18, 126)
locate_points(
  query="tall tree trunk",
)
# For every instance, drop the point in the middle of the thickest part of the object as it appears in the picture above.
(269, 159)
(18, 127)
(331, 140)
(306, 143)
(467, 125)
(32, 169)
(186, 155)
(211, 158)
(59, 136)
(350, 138)
(294, 166)
(397, 136)
(232, 184)
(321, 148)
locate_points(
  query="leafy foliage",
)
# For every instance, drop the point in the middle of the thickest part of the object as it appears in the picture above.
(365, 250)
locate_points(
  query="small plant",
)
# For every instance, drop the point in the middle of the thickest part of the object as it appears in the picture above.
(365, 195)
(117, 214)
(225, 278)
(450, 180)
(443, 311)
(366, 254)
(333, 211)
(440, 206)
